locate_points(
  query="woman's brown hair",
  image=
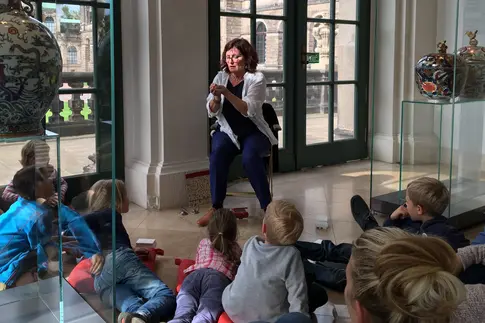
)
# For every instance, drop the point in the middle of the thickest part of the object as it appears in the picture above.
(222, 231)
(247, 51)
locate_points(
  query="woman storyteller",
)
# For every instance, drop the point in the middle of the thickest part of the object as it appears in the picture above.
(236, 98)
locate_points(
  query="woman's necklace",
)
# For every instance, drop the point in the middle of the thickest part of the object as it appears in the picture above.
(235, 79)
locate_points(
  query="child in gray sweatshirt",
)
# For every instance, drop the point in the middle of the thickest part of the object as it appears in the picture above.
(270, 281)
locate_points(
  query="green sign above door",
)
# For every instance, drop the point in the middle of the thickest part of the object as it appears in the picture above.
(312, 58)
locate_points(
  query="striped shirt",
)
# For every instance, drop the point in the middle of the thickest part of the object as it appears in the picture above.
(208, 257)
(9, 194)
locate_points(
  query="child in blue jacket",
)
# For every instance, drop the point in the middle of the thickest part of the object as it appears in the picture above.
(26, 229)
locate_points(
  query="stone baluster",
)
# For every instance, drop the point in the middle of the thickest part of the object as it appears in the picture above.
(91, 102)
(76, 104)
(56, 108)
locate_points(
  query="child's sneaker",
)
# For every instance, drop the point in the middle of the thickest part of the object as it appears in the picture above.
(362, 213)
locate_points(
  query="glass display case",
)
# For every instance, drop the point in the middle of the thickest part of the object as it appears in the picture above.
(439, 132)
(58, 101)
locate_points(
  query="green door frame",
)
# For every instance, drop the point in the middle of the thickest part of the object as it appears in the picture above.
(333, 152)
(295, 154)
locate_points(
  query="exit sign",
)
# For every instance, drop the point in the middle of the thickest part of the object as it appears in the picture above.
(312, 58)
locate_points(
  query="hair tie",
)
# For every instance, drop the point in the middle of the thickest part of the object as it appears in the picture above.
(220, 233)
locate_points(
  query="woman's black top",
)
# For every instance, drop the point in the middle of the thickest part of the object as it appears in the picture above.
(241, 126)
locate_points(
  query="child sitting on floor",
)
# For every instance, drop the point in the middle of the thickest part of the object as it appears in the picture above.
(140, 295)
(36, 153)
(270, 281)
(26, 230)
(426, 200)
(216, 263)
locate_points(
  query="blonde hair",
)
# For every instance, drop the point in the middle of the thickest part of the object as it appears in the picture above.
(430, 194)
(99, 196)
(35, 152)
(284, 223)
(403, 278)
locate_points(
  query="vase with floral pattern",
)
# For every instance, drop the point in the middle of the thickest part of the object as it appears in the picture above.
(474, 56)
(30, 70)
(435, 74)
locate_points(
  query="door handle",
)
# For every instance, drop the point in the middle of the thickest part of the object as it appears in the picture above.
(303, 57)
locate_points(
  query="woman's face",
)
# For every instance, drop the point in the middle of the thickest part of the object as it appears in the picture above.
(355, 309)
(235, 61)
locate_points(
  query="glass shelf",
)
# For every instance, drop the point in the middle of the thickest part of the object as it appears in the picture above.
(457, 101)
(49, 135)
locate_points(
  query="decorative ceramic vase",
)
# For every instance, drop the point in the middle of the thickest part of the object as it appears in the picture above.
(474, 56)
(435, 73)
(30, 70)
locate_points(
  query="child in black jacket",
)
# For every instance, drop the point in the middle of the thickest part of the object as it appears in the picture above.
(426, 200)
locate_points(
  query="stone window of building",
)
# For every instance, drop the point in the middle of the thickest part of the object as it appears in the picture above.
(261, 42)
(72, 55)
(49, 23)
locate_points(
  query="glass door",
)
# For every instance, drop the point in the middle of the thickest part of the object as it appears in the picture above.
(331, 81)
(314, 55)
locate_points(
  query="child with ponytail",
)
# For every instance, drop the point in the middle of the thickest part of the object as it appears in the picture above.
(216, 263)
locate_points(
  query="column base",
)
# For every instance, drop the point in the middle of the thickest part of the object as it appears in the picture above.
(168, 185)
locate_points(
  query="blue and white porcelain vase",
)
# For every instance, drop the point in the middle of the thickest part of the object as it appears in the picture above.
(30, 70)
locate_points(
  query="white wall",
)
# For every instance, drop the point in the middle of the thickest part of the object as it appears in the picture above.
(165, 75)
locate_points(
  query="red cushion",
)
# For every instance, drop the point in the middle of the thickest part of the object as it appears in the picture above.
(183, 264)
(224, 318)
(149, 256)
(82, 281)
(80, 277)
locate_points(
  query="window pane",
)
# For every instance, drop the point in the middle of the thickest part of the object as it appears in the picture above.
(241, 6)
(274, 50)
(345, 52)
(233, 27)
(344, 112)
(270, 7)
(316, 114)
(318, 41)
(346, 10)
(276, 97)
(261, 41)
(319, 9)
(72, 26)
(72, 117)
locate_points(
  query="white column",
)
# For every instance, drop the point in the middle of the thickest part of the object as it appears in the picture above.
(165, 55)
(406, 31)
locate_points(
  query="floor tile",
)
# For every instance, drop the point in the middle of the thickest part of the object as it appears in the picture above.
(346, 231)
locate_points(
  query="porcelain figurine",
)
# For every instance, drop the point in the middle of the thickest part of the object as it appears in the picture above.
(435, 74)
(474, 56)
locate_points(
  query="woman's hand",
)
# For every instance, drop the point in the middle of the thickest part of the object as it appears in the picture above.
(218, 90)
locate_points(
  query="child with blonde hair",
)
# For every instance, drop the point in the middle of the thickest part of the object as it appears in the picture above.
(36, 153)
(396, 277)
(216, 263)
(270, 281)
(140, 295)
